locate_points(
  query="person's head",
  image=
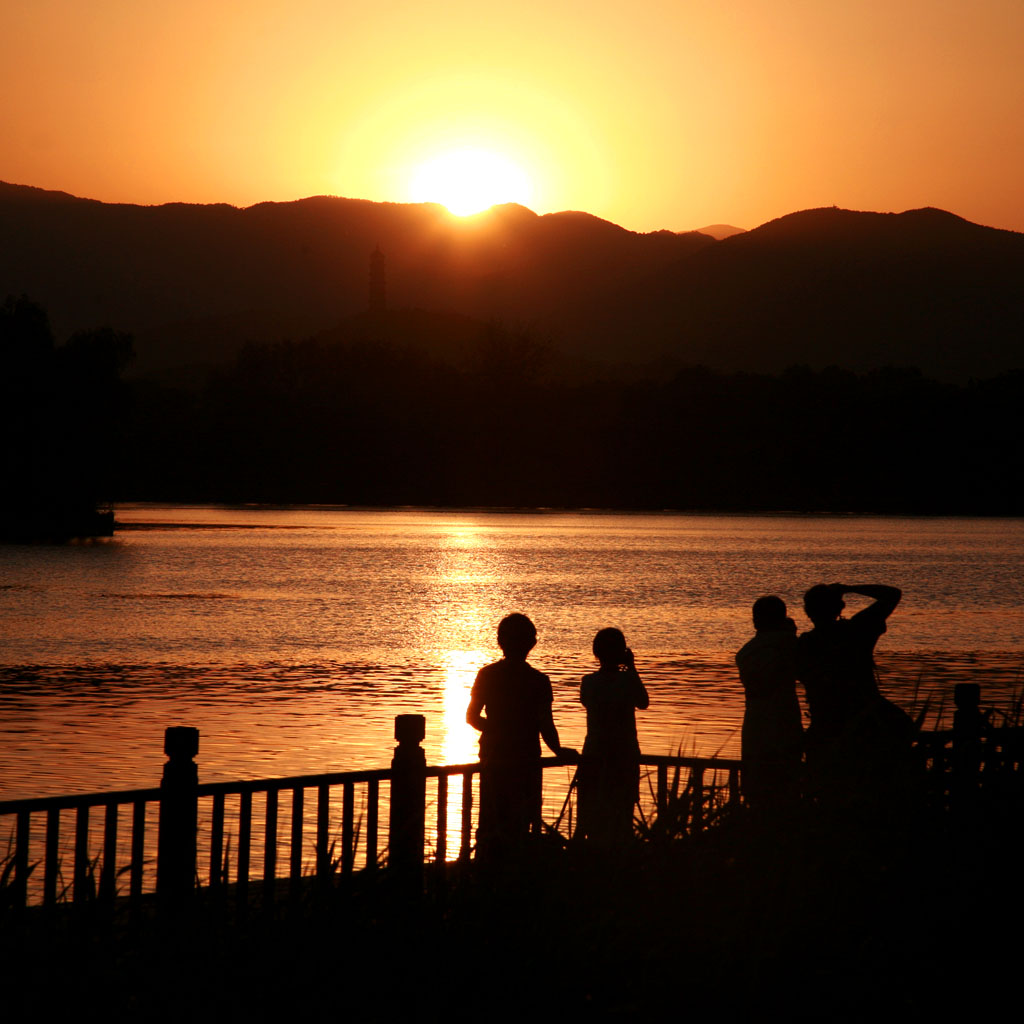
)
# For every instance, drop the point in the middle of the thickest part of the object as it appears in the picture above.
(517, 635)
(769, 613)
(610, 646)
(823, 604)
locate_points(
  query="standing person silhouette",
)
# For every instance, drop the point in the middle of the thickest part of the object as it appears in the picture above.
(857, 740)
(511, 706)
(609, 778)
(772, 731)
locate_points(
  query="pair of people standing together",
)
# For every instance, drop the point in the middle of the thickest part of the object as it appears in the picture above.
(858, 742)
(511, 707)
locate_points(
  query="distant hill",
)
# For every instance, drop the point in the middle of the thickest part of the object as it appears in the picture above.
(860, 290)
(720, 231)
(193, 283)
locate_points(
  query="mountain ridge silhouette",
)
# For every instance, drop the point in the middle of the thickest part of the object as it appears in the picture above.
(194, 282)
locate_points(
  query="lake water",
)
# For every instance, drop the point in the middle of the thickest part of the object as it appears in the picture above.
(291, 638)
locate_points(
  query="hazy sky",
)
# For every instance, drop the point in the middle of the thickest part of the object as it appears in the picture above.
(652, 114)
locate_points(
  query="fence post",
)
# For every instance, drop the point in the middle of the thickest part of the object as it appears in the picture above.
(176, 842)
(967, 728)
(408, 797)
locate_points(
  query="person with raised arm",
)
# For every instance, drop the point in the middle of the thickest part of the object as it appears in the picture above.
(857, 738)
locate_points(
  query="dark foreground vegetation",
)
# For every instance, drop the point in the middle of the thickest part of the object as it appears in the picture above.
(812, 916)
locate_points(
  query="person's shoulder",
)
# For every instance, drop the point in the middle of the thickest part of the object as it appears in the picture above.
(520, 673)
(521, 670)
(749, 648)
(493, 669)
(541, 684)
(752, 642)
(540, 678)
(587, 684)
(487, 676)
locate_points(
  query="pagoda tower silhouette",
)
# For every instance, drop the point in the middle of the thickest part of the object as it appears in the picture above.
(378, 289)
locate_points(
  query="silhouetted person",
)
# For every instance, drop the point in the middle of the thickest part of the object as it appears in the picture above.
(858, 743)
(772, 731)
(609, 778)
(511, 706)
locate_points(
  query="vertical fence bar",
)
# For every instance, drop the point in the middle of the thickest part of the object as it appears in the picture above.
(323, 820)
(295, 850)
(270, 846)
(21, 859)
(138, 849)
(108, 876)
(50, 866)
(442, 818)
(217, 876)
(244, 845)
(466, 846)
(347, 831)
(661, 793)
(734, 787)
(81, 875)
(372, 810)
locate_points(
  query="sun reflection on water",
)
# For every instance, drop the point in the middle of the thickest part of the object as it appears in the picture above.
(459, 745)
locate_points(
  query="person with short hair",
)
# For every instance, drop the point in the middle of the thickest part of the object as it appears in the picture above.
(609, 775)
(772, 737)
(510, 705)
(858, 742)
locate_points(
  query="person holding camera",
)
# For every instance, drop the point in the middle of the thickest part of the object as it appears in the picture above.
(609, 776)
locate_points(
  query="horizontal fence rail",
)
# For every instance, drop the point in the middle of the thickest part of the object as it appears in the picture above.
(280, 834)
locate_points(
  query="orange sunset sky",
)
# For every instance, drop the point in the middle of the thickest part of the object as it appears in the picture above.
(651, 114)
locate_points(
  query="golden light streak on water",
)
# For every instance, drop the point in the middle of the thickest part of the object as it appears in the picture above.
(459, 745)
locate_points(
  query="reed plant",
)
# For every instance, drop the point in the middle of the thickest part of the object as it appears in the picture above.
(11, 888)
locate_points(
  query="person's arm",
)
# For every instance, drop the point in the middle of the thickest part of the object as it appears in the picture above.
(886, 598)
(548, 732)
(641, 700)
(474, 714)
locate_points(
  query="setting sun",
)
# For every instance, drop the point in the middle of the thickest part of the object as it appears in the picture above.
(467, 181)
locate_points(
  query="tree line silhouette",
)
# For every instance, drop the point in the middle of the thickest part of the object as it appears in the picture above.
(63, 410)
(501, 421)
(381, 423)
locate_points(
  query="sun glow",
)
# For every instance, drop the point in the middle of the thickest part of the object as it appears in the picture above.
(467, 181)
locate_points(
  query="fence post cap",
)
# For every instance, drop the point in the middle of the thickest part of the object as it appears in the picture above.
(181, 741)
(967, 695)
(410, 728)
